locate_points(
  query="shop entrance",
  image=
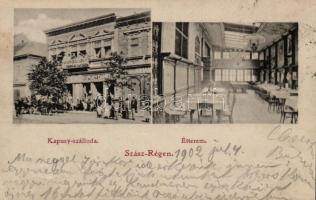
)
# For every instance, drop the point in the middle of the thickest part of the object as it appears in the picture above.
(136, 87)
(69, 89)
(99, 87)
(86, 89)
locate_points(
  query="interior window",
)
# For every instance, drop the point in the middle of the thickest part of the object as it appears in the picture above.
(181, 40)
(197, 45)
(225, 55)
(255, 56)
(217, 55)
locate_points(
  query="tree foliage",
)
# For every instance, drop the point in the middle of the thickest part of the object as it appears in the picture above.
(118, 71)
(46, 79)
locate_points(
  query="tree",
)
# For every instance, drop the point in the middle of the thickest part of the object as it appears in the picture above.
(46, 79)
(118, 71)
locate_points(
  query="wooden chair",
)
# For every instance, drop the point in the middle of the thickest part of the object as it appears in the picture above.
(288, 113)
(272, 103)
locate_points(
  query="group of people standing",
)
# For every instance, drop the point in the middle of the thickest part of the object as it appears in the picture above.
(110, 108)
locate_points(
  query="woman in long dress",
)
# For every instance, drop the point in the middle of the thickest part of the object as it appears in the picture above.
(105, 109)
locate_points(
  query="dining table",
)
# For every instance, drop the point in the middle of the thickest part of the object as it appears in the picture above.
(174, 114)
(214, 101)
(279, 94)
(240, 86)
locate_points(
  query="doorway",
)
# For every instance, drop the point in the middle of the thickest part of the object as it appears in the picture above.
(86, 89)
(69, 89)
(99, 87)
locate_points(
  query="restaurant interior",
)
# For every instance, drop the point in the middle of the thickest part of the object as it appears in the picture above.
(249, 75)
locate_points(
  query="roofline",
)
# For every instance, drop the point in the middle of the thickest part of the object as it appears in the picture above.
(132, 19)
(133, 15)
(27, 55)
(91, 20)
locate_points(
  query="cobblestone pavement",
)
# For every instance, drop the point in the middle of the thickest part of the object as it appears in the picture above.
(80, 117)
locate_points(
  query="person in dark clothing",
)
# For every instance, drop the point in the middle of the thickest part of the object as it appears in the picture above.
(134, 104)
(109, 100)
(80, 106)
(133, 107)
(112, 112)
(125, 112)
(18, 107)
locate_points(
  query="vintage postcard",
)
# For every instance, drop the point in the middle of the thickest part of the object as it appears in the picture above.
(166, 100)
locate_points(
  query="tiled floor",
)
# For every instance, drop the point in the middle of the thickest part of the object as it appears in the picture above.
(249, 108)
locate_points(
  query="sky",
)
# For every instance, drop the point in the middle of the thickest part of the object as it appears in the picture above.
(33, 22)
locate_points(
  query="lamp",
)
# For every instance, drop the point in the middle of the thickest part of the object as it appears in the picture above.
(253, 44)
(255, 39)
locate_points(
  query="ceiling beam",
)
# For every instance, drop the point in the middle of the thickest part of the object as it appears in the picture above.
(240, 28)
(235, 39)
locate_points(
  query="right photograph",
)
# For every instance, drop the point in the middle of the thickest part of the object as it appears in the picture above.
(215, 73)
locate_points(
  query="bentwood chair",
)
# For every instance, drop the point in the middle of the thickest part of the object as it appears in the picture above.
(272, 103)
(288, 113)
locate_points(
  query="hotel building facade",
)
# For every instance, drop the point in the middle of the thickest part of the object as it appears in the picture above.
(85, 48)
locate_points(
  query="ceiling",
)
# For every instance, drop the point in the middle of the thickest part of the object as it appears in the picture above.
(237, 37)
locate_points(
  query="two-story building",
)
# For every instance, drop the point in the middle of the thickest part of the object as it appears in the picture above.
(26, 54)
(85, 48)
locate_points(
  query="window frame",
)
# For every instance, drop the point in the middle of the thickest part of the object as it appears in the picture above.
(182, 29)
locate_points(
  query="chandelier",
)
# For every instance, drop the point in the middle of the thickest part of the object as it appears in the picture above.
(254, 44)
(255, 39)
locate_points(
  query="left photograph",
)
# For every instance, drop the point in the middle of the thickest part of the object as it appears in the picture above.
(82, 66)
